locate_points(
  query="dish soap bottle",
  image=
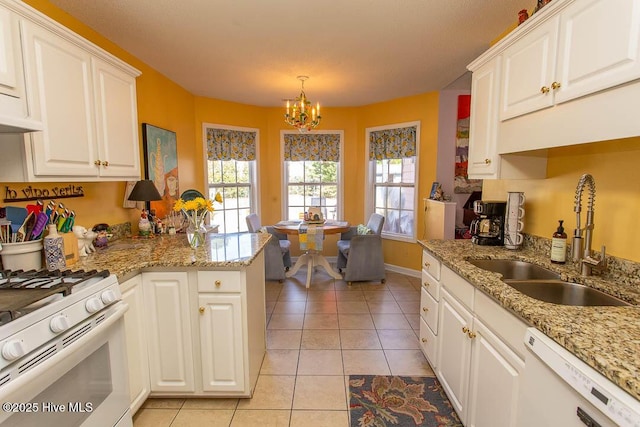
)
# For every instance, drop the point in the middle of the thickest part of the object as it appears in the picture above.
(559, 245)
(54, 250)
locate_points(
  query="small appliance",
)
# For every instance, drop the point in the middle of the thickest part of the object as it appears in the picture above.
(487, 228)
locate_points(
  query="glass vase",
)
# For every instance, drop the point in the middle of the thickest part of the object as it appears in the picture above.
(196, 235)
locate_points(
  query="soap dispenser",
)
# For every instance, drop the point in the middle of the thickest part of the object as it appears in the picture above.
(559, 245)
(54, 250)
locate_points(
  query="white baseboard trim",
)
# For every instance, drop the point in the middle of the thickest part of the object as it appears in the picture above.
(396, 269)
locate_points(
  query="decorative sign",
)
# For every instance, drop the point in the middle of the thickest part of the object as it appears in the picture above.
(30, 193)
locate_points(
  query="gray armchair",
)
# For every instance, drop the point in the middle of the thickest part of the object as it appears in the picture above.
(277, 259)
(361, 254)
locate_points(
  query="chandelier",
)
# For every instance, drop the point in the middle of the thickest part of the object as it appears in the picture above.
(301, 115)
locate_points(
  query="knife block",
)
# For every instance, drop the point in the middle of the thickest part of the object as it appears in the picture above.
(70, 242)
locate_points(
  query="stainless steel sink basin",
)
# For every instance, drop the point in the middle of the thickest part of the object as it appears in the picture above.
(559, 292)
(512, 269)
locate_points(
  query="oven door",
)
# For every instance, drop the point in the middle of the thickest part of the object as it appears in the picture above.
(84, 384)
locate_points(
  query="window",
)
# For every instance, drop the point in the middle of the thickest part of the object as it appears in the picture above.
(312, 173)
(392, 177)
(231, 170)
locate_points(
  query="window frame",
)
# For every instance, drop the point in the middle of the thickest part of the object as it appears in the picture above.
(285, 172)
(370, 184)
(254, 171)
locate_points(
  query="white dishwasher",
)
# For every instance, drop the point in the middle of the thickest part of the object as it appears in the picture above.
(558, 389)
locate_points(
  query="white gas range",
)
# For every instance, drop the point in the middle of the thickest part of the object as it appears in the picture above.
(62, 351)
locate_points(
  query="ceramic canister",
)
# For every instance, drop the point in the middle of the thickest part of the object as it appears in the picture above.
(54, 250)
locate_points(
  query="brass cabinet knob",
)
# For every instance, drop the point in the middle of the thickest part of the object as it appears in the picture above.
(544, 90)
(425, 309)
(201, 310)
(217, 283)
(97, 162)
(424, 340)
(105, 163)
(487, 161)
(427, 265)
(555, 85)
(465, 330)
(425, 284)
(471, 335)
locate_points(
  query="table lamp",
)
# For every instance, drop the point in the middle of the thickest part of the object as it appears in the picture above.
(144, 191)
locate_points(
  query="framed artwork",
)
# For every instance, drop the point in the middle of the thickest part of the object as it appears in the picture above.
(161, 160)
(436, 191)
(461, 182)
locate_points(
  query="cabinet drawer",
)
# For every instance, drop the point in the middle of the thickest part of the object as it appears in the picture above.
(429, 310)
(428, 344)
(219, 281)
(431, 265)
(458, 287)
(431, 285)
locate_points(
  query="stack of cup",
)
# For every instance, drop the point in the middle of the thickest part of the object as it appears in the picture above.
(513, 237)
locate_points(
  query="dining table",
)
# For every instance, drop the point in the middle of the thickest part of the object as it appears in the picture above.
(312, 257)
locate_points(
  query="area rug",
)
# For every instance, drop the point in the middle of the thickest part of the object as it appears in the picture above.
(379, 401)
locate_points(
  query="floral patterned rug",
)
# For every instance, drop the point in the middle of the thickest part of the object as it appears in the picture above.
(379, 401)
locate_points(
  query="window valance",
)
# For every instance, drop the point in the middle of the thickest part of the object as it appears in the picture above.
(394, 143)
(229, 144)
(316, 146)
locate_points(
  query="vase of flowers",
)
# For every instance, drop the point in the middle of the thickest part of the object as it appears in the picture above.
(196, 211)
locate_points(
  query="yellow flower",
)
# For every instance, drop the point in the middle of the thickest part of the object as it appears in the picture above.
(218, 197)
(196, 205)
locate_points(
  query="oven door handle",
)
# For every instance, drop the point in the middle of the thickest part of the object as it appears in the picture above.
(31, 375)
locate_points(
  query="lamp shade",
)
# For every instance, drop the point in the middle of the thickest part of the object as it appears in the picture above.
(144, 191)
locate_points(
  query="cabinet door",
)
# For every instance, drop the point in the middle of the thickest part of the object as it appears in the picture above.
(599, 46)
(221, 337)
(483, 123)
(62, 97)
(528, 71)
(116, 121)
(440, 219)
(169, 331)
(494, 384)
(8, 79)
(454, 351)
(135, 333)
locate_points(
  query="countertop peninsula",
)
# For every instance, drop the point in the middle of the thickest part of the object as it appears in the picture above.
(606, 338)
(128, 256)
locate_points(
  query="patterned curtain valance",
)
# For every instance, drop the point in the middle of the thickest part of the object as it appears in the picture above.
(316, 146)
(227, 144)
(395, 143)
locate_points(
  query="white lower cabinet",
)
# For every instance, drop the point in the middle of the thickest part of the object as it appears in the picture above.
(478, 370)
(169, 331)
(136, 333)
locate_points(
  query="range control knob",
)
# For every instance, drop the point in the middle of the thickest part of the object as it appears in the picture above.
(13, 349)
(108, 297)
(94, 304)
(59, 323)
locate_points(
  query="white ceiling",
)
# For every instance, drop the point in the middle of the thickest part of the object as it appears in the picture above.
(355, 52)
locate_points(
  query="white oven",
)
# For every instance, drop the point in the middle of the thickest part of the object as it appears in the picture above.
(77, 379)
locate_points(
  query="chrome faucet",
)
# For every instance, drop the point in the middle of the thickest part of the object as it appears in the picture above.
(584, 255)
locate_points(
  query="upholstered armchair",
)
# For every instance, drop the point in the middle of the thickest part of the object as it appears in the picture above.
(361, 254)
(277, 259)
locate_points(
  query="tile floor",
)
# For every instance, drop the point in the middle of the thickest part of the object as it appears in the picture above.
(316, 338)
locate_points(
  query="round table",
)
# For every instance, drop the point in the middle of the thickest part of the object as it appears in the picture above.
(312, 257)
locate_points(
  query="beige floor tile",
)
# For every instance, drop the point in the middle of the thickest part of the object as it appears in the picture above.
(341, 285)
(409, 307)
(309, 418)
(163, 403)
(150, 417)
(321, 321)
(319, 392)
(320, 339)
(355, 321)
(320, 362)
(390, 321)
(321, 307)
(365, 362)
(408, 362)
(359, 339)
(289, 307)
(387, 307)
(213, 403)
(286, 321)
(262, 418)
(280, 362)
(350, 295)
(321, 295)
(271, 295)
(414, 321)
(269, 305)
(321, 281)
(271, 392)
(378, 296)
(352, 307)
(203, 418)
(406, 295)
(284, 339)
(404, 339)
(292, 295)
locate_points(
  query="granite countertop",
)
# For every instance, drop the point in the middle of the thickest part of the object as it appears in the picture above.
(606, 338)
(126, 257)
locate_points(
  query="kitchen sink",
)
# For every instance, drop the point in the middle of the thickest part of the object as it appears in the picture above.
(565, 293)
(512, 269)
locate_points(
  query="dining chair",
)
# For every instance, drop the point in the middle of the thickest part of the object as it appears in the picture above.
(277, 255)
(360, 252)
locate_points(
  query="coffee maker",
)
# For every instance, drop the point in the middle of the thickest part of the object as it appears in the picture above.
(487, 228)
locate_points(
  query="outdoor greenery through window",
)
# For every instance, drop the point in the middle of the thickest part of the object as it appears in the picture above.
(312, 183)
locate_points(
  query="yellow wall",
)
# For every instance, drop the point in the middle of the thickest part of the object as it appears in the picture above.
(615, 168)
